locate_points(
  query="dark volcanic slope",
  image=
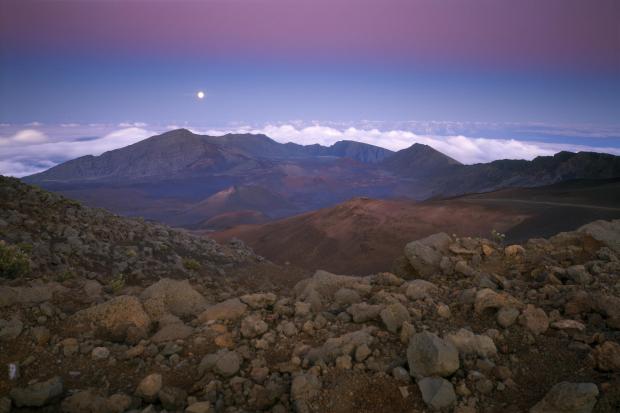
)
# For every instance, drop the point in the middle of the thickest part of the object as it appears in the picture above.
(419, 161)
(362, 234)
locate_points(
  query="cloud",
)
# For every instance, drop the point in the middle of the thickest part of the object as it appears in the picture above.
(26, 155)
(24, 137)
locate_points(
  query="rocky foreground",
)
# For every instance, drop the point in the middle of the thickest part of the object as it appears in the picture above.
(462, 324)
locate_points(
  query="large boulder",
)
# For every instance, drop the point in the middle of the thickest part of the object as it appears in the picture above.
(425, 254)
(38, 394)
(607, 232)
(116, 316)
(429, 355)
(568, 397)
(172, 296)
(231, 309)
(34, 294)
(320, 289)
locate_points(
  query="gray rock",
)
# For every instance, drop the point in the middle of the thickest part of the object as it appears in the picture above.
(469, 343)
(11, 330)
(568, 397)
(231, 309)
(363, 312)
(259, 300)
(199, 407)
(38, 394)
(429, 355)
(394, 315)
(437, 393)
(425, 254)
(253, 326)
(420, 289)
(176, 297)
(507, 316)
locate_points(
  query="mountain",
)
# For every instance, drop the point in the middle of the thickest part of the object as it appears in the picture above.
(364, 235)
(171, 177)
(418, 161)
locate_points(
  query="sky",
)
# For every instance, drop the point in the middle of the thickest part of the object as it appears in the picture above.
(477, 79)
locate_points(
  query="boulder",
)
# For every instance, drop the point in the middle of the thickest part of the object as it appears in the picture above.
(507, 316)
(437, 393)
(568, 397)
(363, 312)
(171, 332)
(534, 319)
(37, 293)
(259, 300)
(149, 387)
(489, 299)
(345, 344)
(469, 343)
(253, 326)
(607, 356)
(425, 254)
(231, 309)
(420, 289)
(116, 316)
(429, 355)
(394, 315)
(607, 232)
(319, 289)
(38, 394)
(176, 297)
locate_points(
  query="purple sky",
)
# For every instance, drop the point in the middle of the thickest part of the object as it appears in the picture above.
(581, 35)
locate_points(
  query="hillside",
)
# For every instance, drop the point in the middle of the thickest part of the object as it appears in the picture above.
(463, 324)
(364, 235)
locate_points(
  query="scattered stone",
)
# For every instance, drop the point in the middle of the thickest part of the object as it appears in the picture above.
(607, 356)
(231, 309)
(149, 387)
(568, 397)
(199, 407)
(11, 330)
(100, 353)
(38, 394)
(487, 298)
(173, 398)
(363, 312)
(437, 393)
(393, 316)
(469, 343)
(253, 326)
(429, 355)
(172, 332)
(420, 289)
(86, 401)
(259, 300)
(507, 316)
(425, 254)
(514, 251)
(534, 319)
(304, 388)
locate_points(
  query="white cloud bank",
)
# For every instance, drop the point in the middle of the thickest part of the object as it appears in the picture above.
(30, 150)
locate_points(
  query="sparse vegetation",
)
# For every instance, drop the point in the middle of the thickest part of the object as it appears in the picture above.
(498, 237)
(118, 283)
(191, 264)
(14, 262)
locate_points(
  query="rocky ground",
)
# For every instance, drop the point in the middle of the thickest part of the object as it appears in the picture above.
(462, 324)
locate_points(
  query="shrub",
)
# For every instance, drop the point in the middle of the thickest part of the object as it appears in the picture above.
(117, 283)
(191, 264)
(498, 237)
(14, 262)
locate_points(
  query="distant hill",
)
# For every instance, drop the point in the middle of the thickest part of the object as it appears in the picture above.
(364, 235)
(184, 179)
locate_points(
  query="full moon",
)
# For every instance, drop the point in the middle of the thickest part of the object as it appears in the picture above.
(200, 95)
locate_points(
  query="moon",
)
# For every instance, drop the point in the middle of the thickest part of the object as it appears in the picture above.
(200, 94)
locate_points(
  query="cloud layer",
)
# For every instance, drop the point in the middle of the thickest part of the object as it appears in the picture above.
(34, 149)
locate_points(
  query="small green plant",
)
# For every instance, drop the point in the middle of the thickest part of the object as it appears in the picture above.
(497, 237)
(14, 262)
(191, 264)
(65, 276)
(118, 283)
